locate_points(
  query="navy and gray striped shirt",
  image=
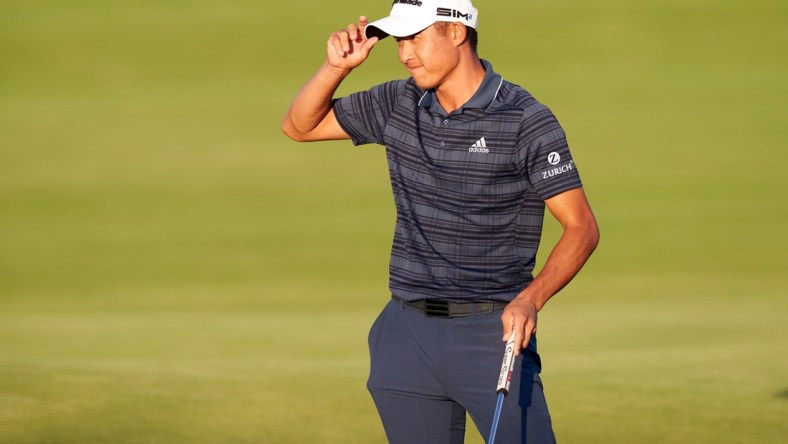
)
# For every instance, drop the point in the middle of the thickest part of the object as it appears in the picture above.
(469, 186)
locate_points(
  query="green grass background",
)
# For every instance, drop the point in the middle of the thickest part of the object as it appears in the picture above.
(174, 270)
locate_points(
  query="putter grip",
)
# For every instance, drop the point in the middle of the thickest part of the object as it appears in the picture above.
(506, 367)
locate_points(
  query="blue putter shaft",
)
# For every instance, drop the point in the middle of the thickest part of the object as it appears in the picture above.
(496, 417)
(503, 384)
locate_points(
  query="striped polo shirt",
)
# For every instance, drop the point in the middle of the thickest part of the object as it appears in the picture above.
(469, 186)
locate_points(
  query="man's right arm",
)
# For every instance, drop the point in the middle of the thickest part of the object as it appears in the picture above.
(310, 117)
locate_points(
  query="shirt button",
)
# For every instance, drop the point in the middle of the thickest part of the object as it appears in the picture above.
(442, 143)
(446, 122)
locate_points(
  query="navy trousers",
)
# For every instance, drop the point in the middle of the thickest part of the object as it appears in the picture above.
(427, 372)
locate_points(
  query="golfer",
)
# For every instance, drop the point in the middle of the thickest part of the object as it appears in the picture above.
(473, 161)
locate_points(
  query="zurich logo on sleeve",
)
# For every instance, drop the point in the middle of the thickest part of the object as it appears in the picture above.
(554, 159)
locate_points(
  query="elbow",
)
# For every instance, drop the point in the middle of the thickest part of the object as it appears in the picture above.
(290, 131)
(593, 236)
(294, 135)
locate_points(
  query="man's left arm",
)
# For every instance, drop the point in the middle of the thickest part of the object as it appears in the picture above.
(579, 239)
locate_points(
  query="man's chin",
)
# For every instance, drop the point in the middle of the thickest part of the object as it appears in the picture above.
(422, 84)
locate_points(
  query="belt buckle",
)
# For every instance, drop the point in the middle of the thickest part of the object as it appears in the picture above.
(437, 308)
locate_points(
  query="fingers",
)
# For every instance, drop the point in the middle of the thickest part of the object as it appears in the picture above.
(518, 336)
(344, 41)
(354, 34)
(528, 330)
(340, 41)
(369, 43)
(510, 323)
(522, 318)
(362, 26)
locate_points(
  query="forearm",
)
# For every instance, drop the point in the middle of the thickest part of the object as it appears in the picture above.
(313, 102)
(564, 262)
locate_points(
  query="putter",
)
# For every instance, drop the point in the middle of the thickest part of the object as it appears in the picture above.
(503, 384)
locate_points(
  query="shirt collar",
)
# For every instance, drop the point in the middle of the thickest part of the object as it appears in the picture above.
(482, 98)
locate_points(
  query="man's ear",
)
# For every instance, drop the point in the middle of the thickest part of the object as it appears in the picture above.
(458, 33)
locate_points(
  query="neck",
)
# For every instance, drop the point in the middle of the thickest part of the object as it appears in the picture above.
(462, 83)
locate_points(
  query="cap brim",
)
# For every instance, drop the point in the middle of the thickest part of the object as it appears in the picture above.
(397, 26)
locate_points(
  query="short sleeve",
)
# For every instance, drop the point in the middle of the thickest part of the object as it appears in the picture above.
(364, 115)
(543, 154)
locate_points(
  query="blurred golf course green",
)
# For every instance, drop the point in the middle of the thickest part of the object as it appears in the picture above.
(174, 270)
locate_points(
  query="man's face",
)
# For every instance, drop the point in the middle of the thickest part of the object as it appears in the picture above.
(430, 56)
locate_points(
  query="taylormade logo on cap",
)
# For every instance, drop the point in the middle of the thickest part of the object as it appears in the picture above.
(410, 17)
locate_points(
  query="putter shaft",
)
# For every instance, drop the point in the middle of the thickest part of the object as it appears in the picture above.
(496, 417)
(505, 378)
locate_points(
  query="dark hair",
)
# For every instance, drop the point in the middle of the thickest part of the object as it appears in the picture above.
(473, 38)
(472, 35)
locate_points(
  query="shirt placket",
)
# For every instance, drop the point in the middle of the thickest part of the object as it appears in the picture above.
(444, 131)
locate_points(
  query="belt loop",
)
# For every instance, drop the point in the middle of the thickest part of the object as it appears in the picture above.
(401, 303)
(474, 310)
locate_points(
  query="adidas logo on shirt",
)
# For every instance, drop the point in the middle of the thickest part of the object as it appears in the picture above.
(480, 146)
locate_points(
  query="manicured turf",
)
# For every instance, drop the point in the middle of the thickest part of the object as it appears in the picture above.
(174, 270)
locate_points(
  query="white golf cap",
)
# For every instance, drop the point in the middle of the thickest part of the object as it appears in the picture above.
(409, 17)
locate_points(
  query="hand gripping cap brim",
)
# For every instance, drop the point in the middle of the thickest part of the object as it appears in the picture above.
(398, 26)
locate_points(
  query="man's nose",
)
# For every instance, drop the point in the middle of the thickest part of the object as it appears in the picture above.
(405, 53)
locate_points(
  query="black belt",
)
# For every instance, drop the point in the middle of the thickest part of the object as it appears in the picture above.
(442, 308)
